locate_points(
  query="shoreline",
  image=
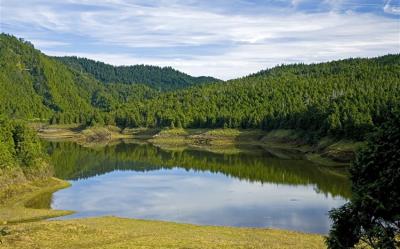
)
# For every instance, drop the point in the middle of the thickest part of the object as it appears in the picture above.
(281, 143)
(28, 228)
(15, 208)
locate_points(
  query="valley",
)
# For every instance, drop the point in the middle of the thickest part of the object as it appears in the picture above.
(150, 157)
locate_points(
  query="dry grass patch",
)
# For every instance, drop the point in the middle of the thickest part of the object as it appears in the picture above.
(111, 232)
(13, 208)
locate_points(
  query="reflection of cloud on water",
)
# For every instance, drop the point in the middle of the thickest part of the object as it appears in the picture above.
(197, 197)
(258, 167)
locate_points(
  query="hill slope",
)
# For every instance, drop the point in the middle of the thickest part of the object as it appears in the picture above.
(160, 78)
(34, 85)
(346, 98)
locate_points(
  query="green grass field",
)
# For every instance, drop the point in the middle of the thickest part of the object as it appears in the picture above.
(112, 232)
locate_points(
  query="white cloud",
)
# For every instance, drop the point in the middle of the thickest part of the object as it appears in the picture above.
(390, 9)
(249, 42)
(295, 3)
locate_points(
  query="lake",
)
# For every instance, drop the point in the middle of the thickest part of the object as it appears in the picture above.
(254, 188)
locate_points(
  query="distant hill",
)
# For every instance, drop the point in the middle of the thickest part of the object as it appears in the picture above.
(160, 78)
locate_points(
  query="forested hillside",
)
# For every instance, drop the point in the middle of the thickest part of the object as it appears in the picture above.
(346, 98)
(35, 86)
(342, 98)
(159, 78)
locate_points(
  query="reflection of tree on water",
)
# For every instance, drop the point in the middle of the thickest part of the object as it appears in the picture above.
(72, 162)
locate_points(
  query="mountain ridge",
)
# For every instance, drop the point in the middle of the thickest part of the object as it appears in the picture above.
(159, 78)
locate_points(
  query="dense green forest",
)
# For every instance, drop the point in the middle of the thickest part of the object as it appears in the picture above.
(346, 98)
(35, 86)
(21, 155)
(160, 78)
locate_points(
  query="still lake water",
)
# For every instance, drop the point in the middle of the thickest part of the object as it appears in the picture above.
(252, 189)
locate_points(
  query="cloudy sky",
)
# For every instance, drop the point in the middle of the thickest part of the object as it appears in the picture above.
(221, 38)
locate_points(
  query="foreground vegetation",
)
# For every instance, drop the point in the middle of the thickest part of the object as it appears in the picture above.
(21, 156)
(372, 216)
(25, 172)
(111, 232)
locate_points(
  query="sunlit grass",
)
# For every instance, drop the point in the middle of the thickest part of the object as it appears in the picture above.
(112, 232)
(14, 199)
(175, 131)
(224, 132)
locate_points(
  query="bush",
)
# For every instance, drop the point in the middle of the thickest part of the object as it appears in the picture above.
(373, 214)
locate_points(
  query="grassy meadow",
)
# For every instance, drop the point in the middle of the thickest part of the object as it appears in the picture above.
(112, 233)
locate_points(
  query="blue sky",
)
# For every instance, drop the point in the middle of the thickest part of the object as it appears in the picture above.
(221, 38)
